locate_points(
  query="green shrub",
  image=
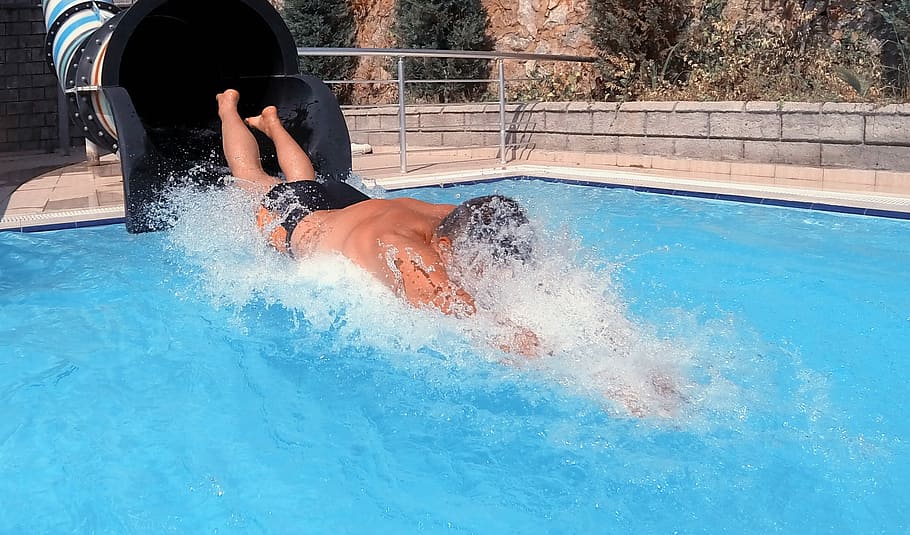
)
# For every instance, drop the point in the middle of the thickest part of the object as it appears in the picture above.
(555, 83)
(791, 54)
(323, 23)
(896, 49)
(636, 38)
(788, 50)
(443, 25)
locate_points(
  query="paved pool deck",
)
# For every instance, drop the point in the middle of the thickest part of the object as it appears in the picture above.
(44, 191)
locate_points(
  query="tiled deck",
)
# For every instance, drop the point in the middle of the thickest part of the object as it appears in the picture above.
(48, 190)
(38, 189)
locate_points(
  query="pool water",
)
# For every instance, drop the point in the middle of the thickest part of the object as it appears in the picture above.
(194, 381)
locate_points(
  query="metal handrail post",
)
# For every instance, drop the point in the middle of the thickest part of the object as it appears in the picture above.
(402, 119)
(502, 111)
(401, 54)
(63, 123)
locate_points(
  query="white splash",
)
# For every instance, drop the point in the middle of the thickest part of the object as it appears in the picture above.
(589, 342)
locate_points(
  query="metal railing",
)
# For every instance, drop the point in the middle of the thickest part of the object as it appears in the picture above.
(402, 81)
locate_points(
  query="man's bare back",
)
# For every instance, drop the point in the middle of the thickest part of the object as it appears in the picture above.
(395, 240)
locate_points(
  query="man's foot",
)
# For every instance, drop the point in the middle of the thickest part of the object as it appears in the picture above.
(227, 102)
(266, 122)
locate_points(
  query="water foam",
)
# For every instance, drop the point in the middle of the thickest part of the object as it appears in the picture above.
(590, 344)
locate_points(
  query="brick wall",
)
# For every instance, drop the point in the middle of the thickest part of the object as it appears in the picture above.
(830, 135)
(28, 87)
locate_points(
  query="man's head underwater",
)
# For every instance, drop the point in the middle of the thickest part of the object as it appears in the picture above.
(493, 224)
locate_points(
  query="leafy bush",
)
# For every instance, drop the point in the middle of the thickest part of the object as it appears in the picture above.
(635, 39)
(556, 83)
(789, 49)
(323, 23)
(443, 25)
(789, 56)
(896, 49)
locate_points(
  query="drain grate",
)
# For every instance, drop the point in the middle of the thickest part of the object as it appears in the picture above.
(80, 215)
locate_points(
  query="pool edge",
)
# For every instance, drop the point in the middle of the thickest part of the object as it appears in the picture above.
(856, 203)
(50, 221)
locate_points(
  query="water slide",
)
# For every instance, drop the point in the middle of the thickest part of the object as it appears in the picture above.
(142, 82)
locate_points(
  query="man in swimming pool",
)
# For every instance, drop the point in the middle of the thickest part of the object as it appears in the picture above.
(409, 245)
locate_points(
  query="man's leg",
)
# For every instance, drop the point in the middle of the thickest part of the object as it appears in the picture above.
(294, 162)
(240, 147)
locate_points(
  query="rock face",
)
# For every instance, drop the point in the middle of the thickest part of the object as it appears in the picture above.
(516, 28)
(557, 25)
(533, 26)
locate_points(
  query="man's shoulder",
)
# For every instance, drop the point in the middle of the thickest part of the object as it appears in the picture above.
(400, 235)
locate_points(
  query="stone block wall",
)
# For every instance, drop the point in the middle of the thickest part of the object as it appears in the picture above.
(28, 87)
(829, 135)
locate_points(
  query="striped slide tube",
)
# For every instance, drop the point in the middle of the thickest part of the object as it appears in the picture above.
(76, 45)
(69, 23)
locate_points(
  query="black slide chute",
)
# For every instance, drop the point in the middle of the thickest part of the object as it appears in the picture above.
(142, 82)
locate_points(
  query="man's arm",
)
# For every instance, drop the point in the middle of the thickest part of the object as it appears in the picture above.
(425, 281)
(518, 339)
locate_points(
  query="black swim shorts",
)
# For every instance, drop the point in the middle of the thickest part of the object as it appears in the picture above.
(290, 202)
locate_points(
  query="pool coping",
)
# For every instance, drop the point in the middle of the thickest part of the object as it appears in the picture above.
(875, 205)
(68, 219)
(650, 181)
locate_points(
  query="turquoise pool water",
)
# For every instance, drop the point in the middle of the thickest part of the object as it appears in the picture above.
(195, 382)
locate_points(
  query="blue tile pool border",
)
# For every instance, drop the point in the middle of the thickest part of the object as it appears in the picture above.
(48, 227)
(803, 205)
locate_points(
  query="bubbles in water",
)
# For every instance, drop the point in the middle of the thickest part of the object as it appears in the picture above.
(217, 237)
(563, 300)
